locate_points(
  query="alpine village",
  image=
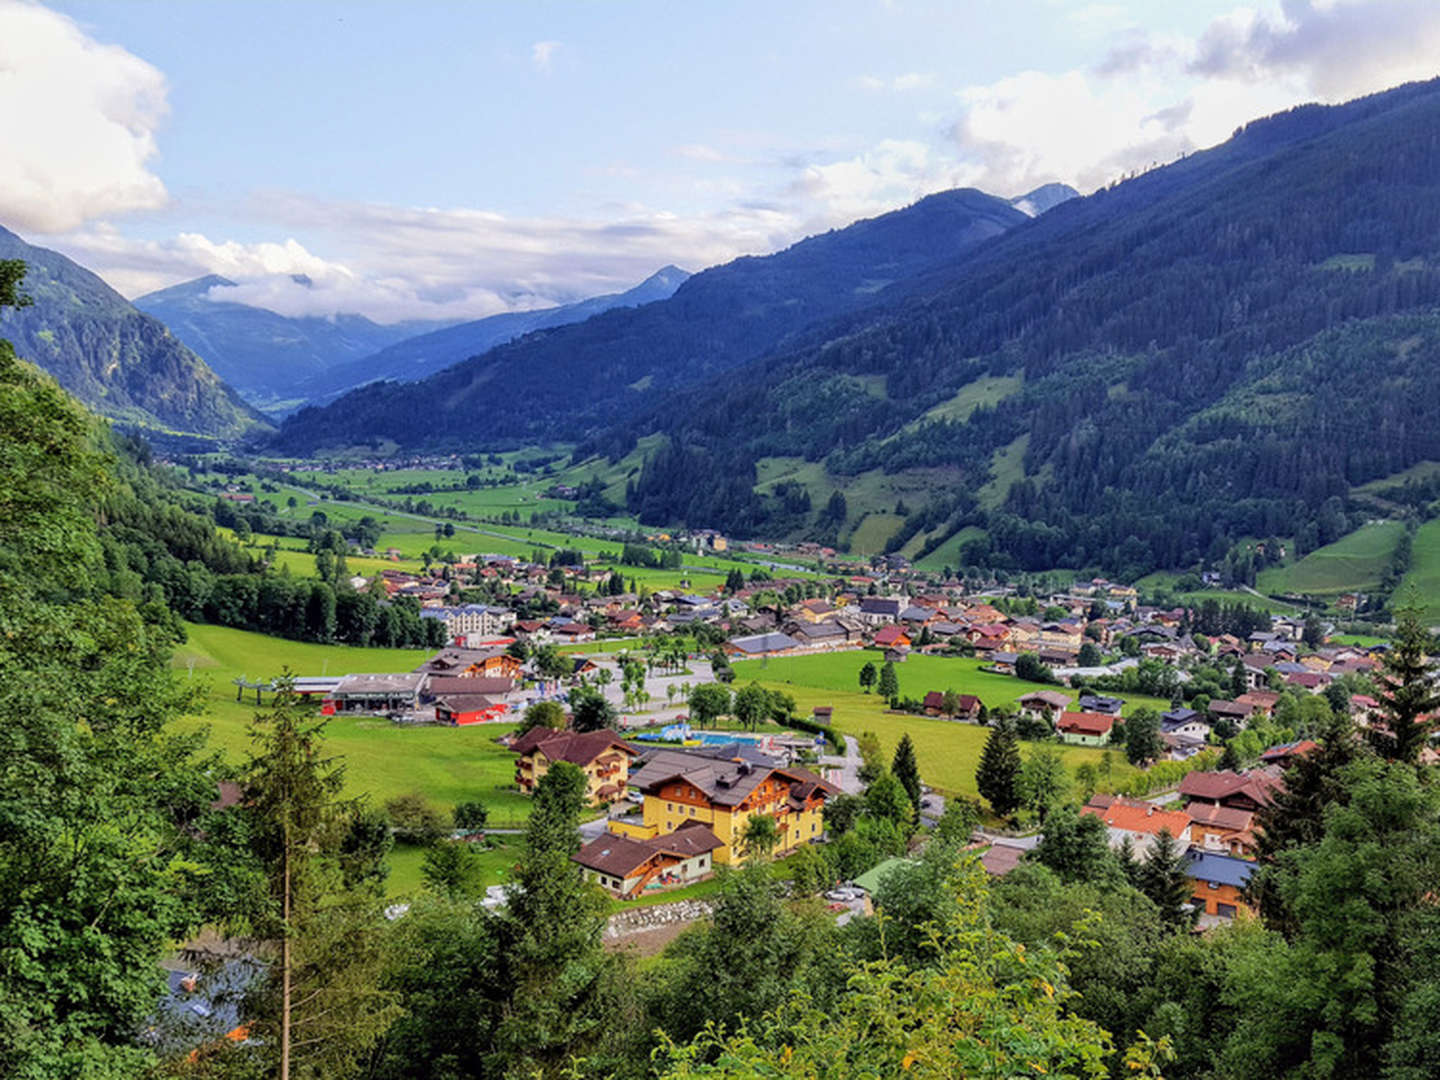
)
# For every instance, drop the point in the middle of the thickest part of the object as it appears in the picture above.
(936, 634)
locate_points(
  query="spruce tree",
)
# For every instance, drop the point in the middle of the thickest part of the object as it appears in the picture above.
(1163, 878)
(889, 682)
(868, 676)
(906, 770)
(998, 775)
(1407, 694)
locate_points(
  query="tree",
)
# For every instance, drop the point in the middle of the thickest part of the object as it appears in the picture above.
(1408, 699)
(1163, 878)
(950, 703)
(1029, 668)
(868, 675)
(470, 817)
(1238, 680)
(872, 760)
(414, 820)
(1076, 847)
(546, 714)
(752, 705)
(1043, 780)
(759, 837)
(889, 684)
(1313, 633)
(998, 774)
(591, 710)
(1089, 655)
(1087, 777)
(453, 869)
(1142, 736)
(886, 800)
(907, 771)
(708, 702)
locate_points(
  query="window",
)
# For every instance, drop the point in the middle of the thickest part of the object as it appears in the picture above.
(670, 807)
(692, 811)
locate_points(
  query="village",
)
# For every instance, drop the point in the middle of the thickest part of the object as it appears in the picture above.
(1090, 666)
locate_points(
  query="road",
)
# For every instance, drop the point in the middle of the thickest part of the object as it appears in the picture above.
(849, 766)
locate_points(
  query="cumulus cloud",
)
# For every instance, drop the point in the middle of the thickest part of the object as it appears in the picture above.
(77, 121)
(910, 80)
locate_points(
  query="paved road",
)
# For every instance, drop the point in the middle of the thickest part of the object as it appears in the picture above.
(849, 766)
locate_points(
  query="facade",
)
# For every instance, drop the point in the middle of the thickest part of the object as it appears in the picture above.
(628, 867)
(471, 663)
(376, 693)
(1219, 882)
(470, 619)
(1085, 728)
(602, 756)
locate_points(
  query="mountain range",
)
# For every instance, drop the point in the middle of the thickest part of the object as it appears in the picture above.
(1217, 349)
(266, 356)
(122, 363)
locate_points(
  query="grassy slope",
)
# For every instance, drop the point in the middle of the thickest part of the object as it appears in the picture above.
(1422, 583)
(1355, 562)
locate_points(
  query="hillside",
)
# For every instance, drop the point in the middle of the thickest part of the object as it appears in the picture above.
(589, 375)
(1217, 349)
(119, 361)
(267, 357)
(418, 357)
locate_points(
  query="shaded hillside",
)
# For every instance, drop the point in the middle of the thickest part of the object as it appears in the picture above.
(1132, 315)
(267, 357)
(561, 382)
(417, 357)
(119, 361)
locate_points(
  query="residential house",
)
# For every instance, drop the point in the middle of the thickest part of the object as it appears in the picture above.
(1262, 701)
(879, 610)
(472, 663)
(892, 637)
(1234, 711)
(1251, 790)
(1221, 828)
(1285, 754)
(1085, 728)
(1185, 722)
(967, 706)
(628, 867)
(1137, 821)
(1218, 882)
(1110, 706)
(603, 756)
(1000, 858)
(568, 633)
(1044, 704)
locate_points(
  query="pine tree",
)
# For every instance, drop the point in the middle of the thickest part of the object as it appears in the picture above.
(1238, 683)
(1162, 877)
(889, 686)
(906, 770)
(998, 774)
(1407, 693)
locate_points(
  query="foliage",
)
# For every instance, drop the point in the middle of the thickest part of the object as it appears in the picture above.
(547, 714)
(1142, 737)
(414, 820)
(1044, 781)
(1408, 697)
(591, 710)
(905, 769)
(998, 774)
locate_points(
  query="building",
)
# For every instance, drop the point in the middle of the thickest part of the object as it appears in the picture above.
(1085, 728)
(1219, 882)
(470, 619)
(723, 794)
(1253, 790)
(628, 867)
(775, 644)
(471, 663)
(377, 693)
(602, 756)
(1137, 821)
(462, 709)
(1221, 829)
(1044, 704)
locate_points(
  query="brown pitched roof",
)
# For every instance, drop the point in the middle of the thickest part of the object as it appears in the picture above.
(443, 685)
(578, 749)
(621, 856)
(1203, 813)
(1086, 723)
(729, 783)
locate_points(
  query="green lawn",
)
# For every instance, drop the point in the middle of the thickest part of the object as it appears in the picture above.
(447, 765)
(1422, 583)
(405, 859)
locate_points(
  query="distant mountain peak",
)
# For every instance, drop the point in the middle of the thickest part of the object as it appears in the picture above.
(1045, 197)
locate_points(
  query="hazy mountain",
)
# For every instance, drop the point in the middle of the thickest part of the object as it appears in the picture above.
(423, 355)
(1045, 197)
(264, 355)
(571, 378)
(121, 362)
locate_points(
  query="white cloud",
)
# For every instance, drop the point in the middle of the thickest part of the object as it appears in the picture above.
(77, 123)
(910, 80)
(542, 53)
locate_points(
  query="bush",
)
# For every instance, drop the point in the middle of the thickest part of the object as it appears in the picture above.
(414, 820)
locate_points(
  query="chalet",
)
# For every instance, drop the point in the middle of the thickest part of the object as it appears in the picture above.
(1285, 754)
(1234, 711)
(1313, 682)
(1262, 701)
(1183, 721)
(1139, 822)
(814, 611)
(1044, 704)
(879, 610)
(723, 794)
(1253, 790)
(472, 663)
(1221, 828)
(967, 706)
(1110, 706)
(572, 632)
(1218, 882)
(819, 635)
(999, 859)
(892, 637)
(1085, 728)
(628, 867)
(533, 630)
(602, 756)
(1003, 662)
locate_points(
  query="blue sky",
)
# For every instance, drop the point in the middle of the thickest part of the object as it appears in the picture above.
(453, 159)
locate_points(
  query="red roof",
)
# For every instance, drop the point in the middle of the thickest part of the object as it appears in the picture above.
(578, 749)
(1142, 817)
(1216, 786)
(1086, 723)
(889, 635)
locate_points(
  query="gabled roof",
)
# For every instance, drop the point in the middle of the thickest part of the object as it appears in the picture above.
(1053, 698)
(441, 685)
(1221, 869)
(1258, 786)
(1086, 723)
(1128, 815)
(576, 748)
(1225, 817)
(729, 783)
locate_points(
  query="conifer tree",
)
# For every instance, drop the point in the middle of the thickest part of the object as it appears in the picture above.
(889, 686)
(907, 770)
(1162, 877)
(998, 774)
(868, 676)
(1407, 695)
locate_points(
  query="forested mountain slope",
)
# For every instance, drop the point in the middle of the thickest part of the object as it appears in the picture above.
(1209, 351)
(121, 362)
(264, 355)
(423, 355)
(562, 382)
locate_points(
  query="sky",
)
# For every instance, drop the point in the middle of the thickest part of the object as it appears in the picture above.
(446, 160)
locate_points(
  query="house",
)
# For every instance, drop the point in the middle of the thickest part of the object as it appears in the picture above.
(1184, 722)
(1221, 828)
(1085, 728)
(1000, 858)
(967, 706)
(461, 709)
(602, 756)
(1218, 882)
(879, 610)
(472, 663)
(1234, 711)
(723, 793)
(774, 644)
(1286, 753)
(1139, 822)
(1044, 704)
(1253, 790)
(815, 611)
(822, 714)
(493, 686)
(1313, 682)
(892, 637)
(629, 867)
(1262, 701)
(570, 632)
(1110, 706)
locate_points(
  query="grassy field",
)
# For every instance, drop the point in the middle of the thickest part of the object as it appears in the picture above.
(1422, 584)
(447, 765)
(1355, 562)
(405, 859)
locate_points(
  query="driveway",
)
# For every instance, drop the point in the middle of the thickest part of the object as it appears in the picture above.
(849, 779)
